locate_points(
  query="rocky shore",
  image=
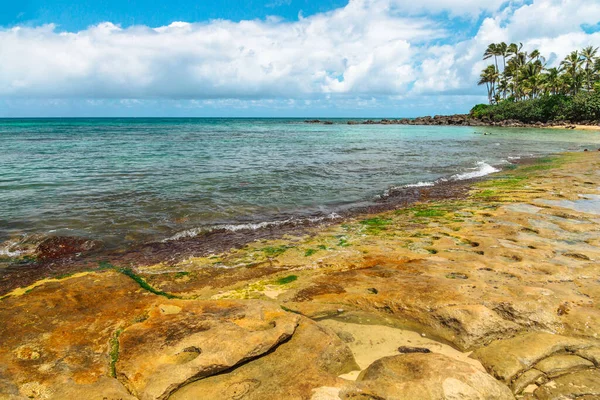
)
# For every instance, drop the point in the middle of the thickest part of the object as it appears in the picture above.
(461, 120)
(490, 295)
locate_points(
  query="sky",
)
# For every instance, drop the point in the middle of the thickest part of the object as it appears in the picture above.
(268, 58)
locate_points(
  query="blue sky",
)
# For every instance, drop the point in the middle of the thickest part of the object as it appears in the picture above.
(301, 58)
(74, 15)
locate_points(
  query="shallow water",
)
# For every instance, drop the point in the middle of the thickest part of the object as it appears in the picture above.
(126, 180)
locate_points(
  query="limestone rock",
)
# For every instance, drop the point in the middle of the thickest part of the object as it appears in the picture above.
(576, 385)
(506, 358)
(58, 333)
(310, 360)
(104, 389)
(475, 324)
(171, 349)
(561, 364)
(527, 378)
(592, 354)
(425, 376)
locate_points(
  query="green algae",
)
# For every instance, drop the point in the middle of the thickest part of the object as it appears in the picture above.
(114, 352)
(310, 252)
(286, 279)
(274, 251)
(138, 279)
(376, 225)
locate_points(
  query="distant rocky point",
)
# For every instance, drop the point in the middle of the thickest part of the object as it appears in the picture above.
(458, 120)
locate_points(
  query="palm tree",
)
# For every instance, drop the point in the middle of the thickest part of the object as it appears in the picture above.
(525, 76)
(492, 51)
(552, 80)
(503, 51)
(588, 54)
(488, 77)
(572, 65)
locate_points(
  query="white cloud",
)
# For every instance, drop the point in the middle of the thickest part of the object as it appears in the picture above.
(365, 50)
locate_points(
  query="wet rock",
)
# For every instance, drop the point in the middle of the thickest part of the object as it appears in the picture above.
(312, 358)
(457, 275)
(61, 246)
(505, 359)
(407, 350)
(561, 364)
(571, 386)
(346, 337)
(154, 357)
(425, 376)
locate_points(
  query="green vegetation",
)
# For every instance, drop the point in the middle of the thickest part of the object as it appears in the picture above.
(114, 352)
(375, 225)
(285, 280)
(310, 252)
(138, 279)
(343, 242)
(431, 212)
(274, 251)
(181, 274)
(527, 90)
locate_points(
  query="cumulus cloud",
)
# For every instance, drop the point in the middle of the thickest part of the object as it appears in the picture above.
(365, 50)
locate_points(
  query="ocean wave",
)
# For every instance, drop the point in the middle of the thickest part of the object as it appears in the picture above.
(9, 253)
(189, 233)
(419, 184)
(482, 169)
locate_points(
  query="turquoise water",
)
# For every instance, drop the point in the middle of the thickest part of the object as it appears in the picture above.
(127, 180)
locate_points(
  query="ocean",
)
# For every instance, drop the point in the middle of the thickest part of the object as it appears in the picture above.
(125, 181)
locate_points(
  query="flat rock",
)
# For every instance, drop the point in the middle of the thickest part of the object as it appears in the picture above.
(310, 360)
(582, 384)
(425, 376)
(57, 334)
(506, 358)
(104, 389)
(561, 364)
(173, 348)
(475, 324)
(592, 354)
(527, 378)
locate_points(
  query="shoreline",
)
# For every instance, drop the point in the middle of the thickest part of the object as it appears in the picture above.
(70, 255)
(462, 120)
(216, 240)
(497, 286)
(472, 283)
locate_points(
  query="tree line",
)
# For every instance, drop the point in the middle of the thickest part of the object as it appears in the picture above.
(517, 75)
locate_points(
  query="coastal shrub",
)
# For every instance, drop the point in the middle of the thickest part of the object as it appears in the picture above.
(585, 106)
(479, 110)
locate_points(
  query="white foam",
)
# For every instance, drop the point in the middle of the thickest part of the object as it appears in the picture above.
(250, 226)
(482, 169)
(419, 184)
(8, 253)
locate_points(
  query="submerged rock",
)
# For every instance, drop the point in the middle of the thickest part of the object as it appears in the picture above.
(57, 247)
